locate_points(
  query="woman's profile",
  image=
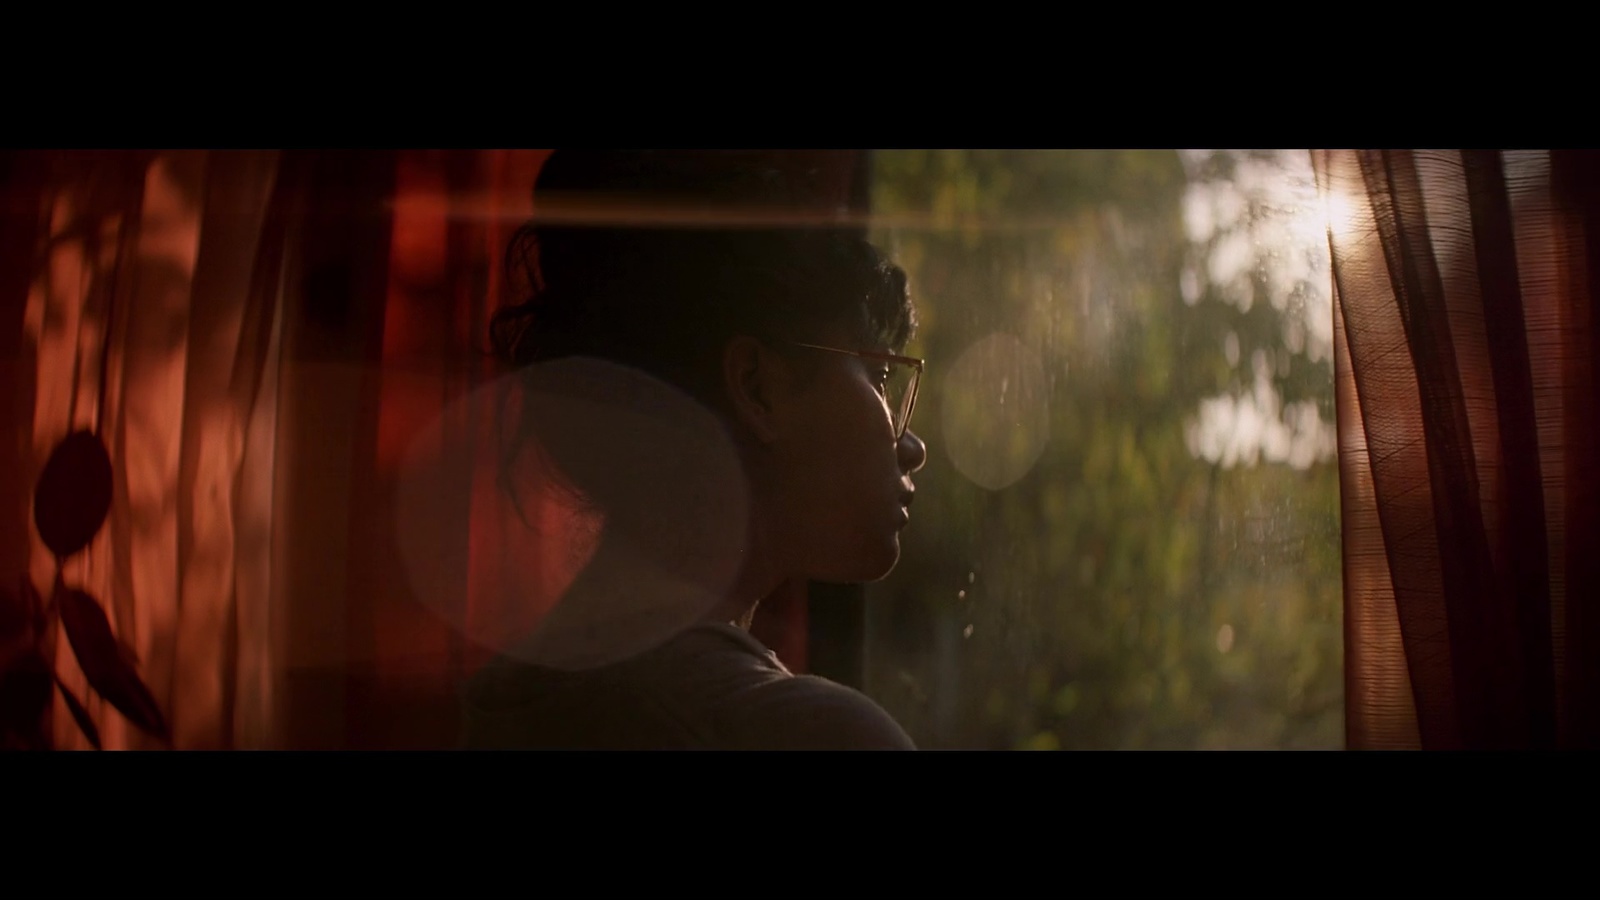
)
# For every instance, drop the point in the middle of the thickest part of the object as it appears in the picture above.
(724, 389)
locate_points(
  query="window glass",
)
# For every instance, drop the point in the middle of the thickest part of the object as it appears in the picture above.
(1127, 532)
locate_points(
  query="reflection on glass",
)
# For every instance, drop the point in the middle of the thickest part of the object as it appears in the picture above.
(1128, 529)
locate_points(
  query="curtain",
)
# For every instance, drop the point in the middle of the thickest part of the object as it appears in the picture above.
(1466, 338)
(139, 300)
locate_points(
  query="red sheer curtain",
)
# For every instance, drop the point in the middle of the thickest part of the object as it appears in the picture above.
(401, 562)
(1466, 334)
(140, 302)
(259, 339)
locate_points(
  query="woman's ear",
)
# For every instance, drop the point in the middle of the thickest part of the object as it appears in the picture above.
(754, 378)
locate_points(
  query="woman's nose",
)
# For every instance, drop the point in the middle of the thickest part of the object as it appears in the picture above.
(912, 451)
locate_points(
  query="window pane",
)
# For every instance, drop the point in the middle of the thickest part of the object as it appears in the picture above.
(1127, 532)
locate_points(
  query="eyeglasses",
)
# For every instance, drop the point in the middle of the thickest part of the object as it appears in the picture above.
(898, 387)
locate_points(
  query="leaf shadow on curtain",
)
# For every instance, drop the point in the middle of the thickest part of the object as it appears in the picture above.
(1465, 289)
(138, 305)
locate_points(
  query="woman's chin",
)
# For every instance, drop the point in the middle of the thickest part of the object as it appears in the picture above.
(873, 566)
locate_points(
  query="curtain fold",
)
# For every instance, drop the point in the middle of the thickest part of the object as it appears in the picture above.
(1464, 296)
(336, 278)
(21, 221)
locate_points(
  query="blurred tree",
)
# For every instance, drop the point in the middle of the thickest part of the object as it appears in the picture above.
(1127, 532)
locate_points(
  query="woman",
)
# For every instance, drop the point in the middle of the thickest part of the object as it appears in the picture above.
(723, 389)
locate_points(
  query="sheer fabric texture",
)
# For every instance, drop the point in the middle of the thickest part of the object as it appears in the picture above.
(1465, 286)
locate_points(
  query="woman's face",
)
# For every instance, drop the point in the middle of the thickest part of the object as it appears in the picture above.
(842, 483)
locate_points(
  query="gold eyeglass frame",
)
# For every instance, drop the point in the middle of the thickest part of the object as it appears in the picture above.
(916, 365)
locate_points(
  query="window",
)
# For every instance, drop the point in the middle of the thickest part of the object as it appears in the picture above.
(1127, 533)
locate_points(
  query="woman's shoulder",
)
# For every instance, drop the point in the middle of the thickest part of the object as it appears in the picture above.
(757, 703)
(806, 712)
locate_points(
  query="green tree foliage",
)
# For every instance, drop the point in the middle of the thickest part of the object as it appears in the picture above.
(1127, 531)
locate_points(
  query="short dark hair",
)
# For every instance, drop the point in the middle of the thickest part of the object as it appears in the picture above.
(654, 259)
